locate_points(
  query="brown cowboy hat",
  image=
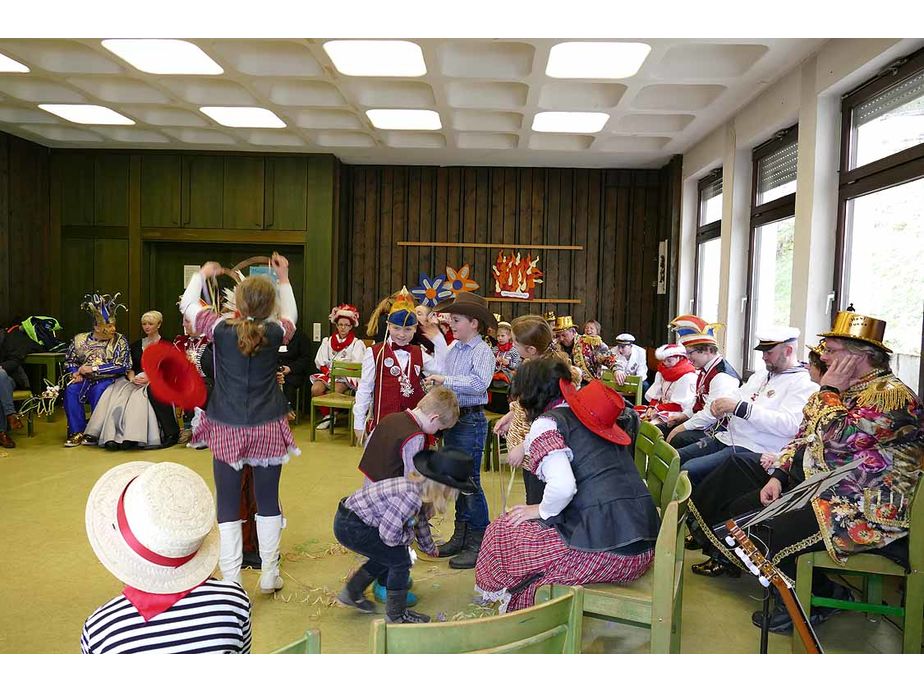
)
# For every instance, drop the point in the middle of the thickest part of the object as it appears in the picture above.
(472, 306)
(597, 407)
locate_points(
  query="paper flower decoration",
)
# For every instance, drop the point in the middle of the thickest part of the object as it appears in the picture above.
(431, 291)
(458, 280)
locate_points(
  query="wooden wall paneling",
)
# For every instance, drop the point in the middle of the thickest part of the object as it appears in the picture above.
(385, 222)
(621, 261)
(315, 280)
(398, 227)
(454, 219)
(355, 239)
(369, 271)
(161, 195)
(426, 231)
(412, 228)
(29, 228)
(78, 176)
(6, 308)
(110, 276)
(286, 180)
(496, 221)
(243, 192)
(202, 191)
(509, 208)
(469, 217)
(135, 260)
(580, 281)
(77, 281)
(637, 298)
(656, 319)
(599, 287)
(110, 189)
(482, 259)
(566, 262)
(609, 274)
(441, 231)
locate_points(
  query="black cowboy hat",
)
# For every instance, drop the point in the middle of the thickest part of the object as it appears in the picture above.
(448, 466)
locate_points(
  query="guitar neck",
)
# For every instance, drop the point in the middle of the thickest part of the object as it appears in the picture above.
(797, 614)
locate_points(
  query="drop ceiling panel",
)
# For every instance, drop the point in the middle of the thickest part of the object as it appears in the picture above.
(487, 94)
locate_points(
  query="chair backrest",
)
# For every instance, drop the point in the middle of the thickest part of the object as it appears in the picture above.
(916, 529)
(346, 369)
(667, 574)
(632, 387)
(310, 644)
(648, 435)
(663, 470)
(553, 627)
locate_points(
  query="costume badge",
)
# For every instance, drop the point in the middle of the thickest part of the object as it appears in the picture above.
(770, 393)
(389, 362)
(395, 370)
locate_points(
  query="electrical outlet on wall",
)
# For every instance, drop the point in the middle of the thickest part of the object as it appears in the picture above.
(317, 331)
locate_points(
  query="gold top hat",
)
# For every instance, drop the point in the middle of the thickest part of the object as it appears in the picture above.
(549, 316)
(562, 323)
(863, 328)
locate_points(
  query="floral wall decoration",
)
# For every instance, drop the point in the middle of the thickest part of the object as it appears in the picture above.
(460, 279)
(430, 292)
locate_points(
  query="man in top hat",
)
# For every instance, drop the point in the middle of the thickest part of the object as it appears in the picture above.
(762, 415)
(630, 359)
(565, 332)
(716, 378)
(861, 411)
(94, 360)
(469, 368)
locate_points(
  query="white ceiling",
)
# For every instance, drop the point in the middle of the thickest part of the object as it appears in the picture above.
(485, 91)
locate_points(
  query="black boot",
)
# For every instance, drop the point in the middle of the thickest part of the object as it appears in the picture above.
(456, 541)
(396, 610)
(469, 554)
(353, 592)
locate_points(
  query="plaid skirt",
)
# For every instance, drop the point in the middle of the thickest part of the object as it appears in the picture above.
(265, 445)
(509, 555)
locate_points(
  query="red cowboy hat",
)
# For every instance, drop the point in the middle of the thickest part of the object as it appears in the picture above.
(172, 377)
(597, 407)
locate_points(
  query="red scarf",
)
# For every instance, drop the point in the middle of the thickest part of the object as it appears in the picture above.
(149, 604)
(505, 347)
(677, 371)
(337, 344)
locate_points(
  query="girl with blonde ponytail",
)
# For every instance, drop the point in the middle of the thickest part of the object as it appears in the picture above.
(245, 421)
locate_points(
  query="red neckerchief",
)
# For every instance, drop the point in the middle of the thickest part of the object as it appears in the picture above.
(337, 344)
(504, 347)
(677, 371)
(150, 605)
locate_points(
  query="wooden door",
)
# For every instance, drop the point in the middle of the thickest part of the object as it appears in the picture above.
(286, 193)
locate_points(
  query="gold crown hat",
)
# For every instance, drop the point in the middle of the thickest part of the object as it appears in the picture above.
(562, 323)
(863, 328)
(549, 317)
(103, 307)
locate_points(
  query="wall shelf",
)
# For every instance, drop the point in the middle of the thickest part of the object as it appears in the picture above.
(435, 244)
(533, 300)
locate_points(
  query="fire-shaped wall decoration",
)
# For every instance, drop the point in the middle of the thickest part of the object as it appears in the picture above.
(515, 277)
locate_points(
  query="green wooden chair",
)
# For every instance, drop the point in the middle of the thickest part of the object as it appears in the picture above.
(632, 387)
(662, 474)
(310, 644)
(491, 455)
(22, 396)
(872, 568)
(653, 601)
(648, 436)
(550, 628)
(333, 400)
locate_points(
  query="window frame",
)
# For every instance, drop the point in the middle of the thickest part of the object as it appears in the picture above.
(767, 213)
(704, 232)
(890, 171)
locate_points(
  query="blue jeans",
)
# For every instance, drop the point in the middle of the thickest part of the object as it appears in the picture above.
(469, 435)
(390, 565)
(700, 459)
(6, 398)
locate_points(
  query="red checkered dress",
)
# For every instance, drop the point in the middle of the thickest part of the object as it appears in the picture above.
(267, 444)
(509, 555)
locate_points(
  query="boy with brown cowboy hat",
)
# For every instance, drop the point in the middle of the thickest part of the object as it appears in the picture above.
(469, 368)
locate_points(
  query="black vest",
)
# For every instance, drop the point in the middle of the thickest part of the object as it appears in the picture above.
(612, 509)
(245, 391)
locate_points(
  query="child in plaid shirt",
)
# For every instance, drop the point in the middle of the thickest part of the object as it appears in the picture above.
(382, 519)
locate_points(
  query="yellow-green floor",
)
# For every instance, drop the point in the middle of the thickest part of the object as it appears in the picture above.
(50, 580)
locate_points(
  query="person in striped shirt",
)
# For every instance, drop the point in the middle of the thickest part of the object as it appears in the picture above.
(468, 372)
(152, 525)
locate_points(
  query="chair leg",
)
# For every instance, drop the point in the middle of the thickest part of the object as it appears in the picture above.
(678, 619)
(914, 613)
(873, 595)
(804, 568)
(311, 432)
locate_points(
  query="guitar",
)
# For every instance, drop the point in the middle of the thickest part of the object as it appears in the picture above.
(768, 574)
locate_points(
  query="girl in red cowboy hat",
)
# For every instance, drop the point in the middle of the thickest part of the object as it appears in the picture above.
(674, 387)
(245, 422)
(596, 521)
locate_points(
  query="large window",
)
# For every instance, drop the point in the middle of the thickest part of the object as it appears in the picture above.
(773, 208)
(708, 247)
(880, 248)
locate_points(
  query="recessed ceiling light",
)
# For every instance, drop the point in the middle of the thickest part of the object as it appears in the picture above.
(243, 116)
(567, 121)
(164, 56)
(10, 65)
(377, 58)
(596, 59)
(404, 119)
(86, 114)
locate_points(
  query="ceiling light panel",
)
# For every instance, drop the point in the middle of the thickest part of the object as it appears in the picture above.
(596, 59)
(569, 121)
(377, 58)
(86, 114)
(404, 119)
(243, 117)
(10, 65)
(164, 56)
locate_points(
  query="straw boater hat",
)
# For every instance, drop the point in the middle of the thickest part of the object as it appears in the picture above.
(769, 337)
(597, 407)
(449, 466)
(153, 526)
(472, 306)
(668, 350)
(862, 328)
(563, 323)
(344, 310)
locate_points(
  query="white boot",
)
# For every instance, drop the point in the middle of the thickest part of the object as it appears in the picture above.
(269, 532)
(230, 550)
